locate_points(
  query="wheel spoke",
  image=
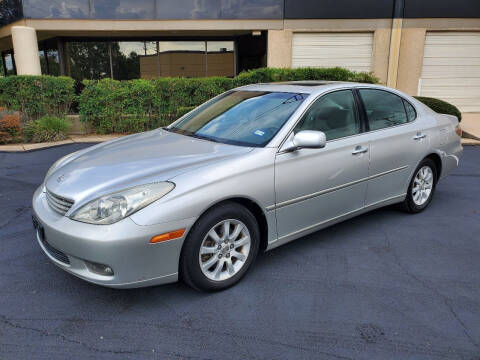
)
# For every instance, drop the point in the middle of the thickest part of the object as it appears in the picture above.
(238, 255)
(243, 241)
(208, 264)
(226, 229)
(416, 196)
(206, 250)
(218, 269)
(230, 268)
(236, 232)
(213, 234)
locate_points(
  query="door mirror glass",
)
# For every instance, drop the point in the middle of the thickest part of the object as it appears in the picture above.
(309, 139)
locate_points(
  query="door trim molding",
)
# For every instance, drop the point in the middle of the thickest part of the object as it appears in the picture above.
(332, 189)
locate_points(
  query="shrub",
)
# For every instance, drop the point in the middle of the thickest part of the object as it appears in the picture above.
(47, 128)
(440, 106)
(36, 96)
(183, 110)
(10, 129)
(115, 106)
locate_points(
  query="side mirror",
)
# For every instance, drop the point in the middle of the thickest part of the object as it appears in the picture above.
(309, 139)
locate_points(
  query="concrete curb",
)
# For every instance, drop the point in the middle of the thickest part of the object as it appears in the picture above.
(71, 140)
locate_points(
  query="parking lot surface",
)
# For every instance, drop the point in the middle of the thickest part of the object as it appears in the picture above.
(385, 285)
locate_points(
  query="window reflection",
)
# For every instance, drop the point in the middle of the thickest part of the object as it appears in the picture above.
(126, 57)
(88, 60)
(9, 64)
(220, 58)
(125, 60)
(145, 9)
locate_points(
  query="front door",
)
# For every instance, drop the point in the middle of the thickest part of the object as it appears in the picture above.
(314, 186)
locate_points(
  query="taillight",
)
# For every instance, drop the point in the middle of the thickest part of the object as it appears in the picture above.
(458, 130)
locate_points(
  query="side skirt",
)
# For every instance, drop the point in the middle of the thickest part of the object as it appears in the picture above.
(321, 225)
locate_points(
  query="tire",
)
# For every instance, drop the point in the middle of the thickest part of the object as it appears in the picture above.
(415, 203)
(225, 259)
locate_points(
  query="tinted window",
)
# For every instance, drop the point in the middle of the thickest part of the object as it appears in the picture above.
(334, 114)
(383, 108)
(411, 113)
(249, 118)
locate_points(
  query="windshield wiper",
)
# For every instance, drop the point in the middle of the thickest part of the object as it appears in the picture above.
(203, 137)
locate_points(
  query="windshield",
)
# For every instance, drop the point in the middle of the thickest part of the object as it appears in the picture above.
(247, 118)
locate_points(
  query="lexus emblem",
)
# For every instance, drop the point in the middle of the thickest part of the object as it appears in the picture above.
(61, 178)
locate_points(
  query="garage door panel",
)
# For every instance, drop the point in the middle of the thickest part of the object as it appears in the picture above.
(449, 72)
(350, 50)
(451, 61)
(451, 68)
(455, 83)
(456, 51)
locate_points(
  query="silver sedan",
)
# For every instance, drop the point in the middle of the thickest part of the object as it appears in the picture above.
(250, 170)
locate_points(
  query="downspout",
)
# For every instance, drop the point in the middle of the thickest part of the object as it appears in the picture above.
(395, 40)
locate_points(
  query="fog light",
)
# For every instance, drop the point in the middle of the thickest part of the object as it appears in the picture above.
(99, 269)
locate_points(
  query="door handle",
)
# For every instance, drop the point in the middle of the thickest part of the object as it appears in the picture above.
(359, 150)
(419, 136)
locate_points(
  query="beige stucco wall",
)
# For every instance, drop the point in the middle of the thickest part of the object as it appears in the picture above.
(279, 48)
(411, 59)
(381, 47)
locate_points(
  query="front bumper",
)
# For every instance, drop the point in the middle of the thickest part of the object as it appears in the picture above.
(123, 246)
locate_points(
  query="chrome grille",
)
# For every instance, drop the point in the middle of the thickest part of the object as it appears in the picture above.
(58, 203)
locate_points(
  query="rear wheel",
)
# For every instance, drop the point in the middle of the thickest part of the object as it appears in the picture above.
(220, 248)
(422, 187)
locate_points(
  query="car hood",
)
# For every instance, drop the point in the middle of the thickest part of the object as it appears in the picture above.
(137, 159)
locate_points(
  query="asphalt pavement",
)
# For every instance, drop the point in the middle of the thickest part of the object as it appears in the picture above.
(385, 285)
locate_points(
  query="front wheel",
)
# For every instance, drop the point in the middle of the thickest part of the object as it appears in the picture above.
(422, 187)
(220, 248)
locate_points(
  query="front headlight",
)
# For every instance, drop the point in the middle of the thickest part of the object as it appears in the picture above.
(114, 207)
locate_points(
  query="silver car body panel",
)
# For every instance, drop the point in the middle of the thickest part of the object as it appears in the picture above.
(298, 192)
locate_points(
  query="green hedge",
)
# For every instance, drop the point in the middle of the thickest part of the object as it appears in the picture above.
(36, 96)
(138, 105)
(440, 106)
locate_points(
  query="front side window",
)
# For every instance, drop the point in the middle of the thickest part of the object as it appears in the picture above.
(383, 108)
(246, 118)
(334, 114)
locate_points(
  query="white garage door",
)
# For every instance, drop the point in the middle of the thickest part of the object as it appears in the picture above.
(350, 50)
(451, 69)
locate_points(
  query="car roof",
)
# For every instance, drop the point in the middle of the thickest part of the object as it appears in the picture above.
(306, 87)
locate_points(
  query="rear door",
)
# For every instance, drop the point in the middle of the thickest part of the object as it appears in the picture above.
(397, 143)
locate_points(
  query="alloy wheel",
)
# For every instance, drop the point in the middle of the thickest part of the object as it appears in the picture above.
(224, 250)
(422, 185)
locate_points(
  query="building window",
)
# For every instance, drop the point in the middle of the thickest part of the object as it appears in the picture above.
(8, 63)
(88, 60)
(125, 60)
(49, 61)
(220, 58)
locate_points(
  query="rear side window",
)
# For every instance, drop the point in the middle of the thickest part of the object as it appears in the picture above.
(383, 108)
(411, 113)
(334, 113)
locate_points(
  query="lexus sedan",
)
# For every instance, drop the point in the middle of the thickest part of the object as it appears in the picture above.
(249, 170)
